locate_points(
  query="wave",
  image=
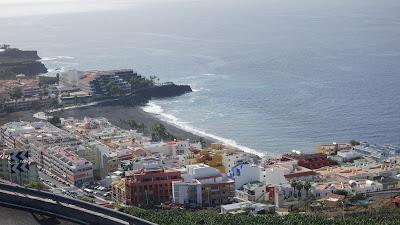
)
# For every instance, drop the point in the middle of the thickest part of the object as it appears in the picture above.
(52, 58)
(65, 57)
(153, 108)
(48, 58)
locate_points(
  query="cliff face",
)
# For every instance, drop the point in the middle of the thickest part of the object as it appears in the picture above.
(16, 61)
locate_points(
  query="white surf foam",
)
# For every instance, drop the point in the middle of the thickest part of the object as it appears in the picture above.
(52, 58)
(48, 58)
(153, 108)
(65, 57)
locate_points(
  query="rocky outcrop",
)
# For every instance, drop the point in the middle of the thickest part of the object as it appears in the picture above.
(167, 90)
(27, 68)
(162, 91)
(15, 61)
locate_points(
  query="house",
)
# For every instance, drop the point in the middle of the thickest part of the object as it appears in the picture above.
(310, 161)
(254, 191)
(244, 173)
(203, 186)
(332, 149)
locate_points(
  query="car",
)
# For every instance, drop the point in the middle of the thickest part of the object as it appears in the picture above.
(106, 194)
(47, 181)
(87, 190)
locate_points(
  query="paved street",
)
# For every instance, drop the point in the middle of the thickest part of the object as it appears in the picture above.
(58, 186)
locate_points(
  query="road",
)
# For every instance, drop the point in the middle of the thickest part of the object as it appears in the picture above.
(11, 216)
(57, 187)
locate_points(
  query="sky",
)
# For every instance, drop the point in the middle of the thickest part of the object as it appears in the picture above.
(20, 8)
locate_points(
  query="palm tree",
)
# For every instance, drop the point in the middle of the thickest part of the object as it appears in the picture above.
(307, 187)
(293, 183)
(299, 186)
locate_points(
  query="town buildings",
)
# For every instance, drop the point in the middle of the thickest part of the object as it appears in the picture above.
(310, 161)
(107, 83)
(332, 149)
(244, 173)
(203, 186)
(19, 177)
(147, 186)
(104, 160)
(144, 173)
(66, 164)
(23, 94)
(51, 148)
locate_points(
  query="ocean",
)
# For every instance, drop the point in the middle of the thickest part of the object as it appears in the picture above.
(268, 76)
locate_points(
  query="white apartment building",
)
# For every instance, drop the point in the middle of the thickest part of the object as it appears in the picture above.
(203, 186)
(66, 164)
(244, 173)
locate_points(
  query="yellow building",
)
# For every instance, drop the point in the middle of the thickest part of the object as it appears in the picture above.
(332, 149)
(118, 191)
(213, 156)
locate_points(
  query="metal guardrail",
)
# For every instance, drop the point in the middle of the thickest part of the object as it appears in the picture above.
(81, 204)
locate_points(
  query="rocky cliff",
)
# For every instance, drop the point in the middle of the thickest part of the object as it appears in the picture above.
(14, 61)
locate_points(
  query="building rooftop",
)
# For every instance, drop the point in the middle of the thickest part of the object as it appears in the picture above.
(253, 185)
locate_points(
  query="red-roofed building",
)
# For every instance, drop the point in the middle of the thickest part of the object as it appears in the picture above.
(310, 161)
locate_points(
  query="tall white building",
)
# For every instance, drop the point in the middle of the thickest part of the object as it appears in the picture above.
(203, 186)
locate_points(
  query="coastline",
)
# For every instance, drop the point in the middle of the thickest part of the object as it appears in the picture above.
(115, 112)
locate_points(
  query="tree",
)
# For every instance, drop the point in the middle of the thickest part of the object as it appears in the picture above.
(202, 142)
(341, 192)
(299, 187)
(354, 142)
(55, 120)
(16, 93)
(293, 183)
(113, 89)
(159, 132)
(357, 197)
(307, 186)
(36, 185)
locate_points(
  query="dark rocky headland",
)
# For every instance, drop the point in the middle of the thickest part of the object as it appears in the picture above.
(14, 61)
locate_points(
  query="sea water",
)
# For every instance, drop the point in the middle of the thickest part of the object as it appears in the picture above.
(267, 75)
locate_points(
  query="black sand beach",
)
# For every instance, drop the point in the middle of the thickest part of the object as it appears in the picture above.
(114, 113)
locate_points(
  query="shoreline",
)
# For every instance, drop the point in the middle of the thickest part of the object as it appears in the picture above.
(115, 113)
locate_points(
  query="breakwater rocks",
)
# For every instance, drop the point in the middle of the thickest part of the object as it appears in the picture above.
(163, 91)
(141, 97)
